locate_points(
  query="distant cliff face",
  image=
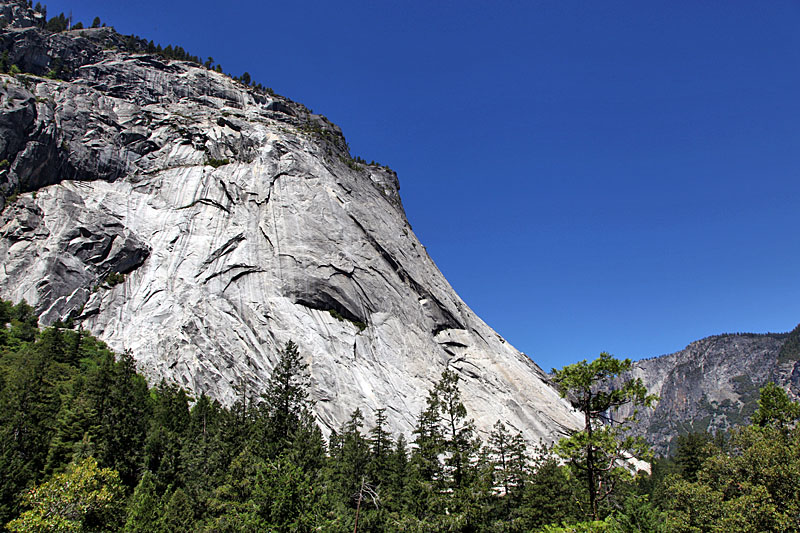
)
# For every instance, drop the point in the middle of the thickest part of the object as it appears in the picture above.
(713, 383)
(201, 224)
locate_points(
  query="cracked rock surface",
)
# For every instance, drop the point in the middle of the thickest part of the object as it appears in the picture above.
(178, 214)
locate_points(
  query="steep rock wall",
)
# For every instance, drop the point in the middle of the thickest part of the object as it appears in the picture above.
(236, 221)
(712, 384)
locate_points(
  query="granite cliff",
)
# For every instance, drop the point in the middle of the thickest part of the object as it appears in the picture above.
(713, 383)
(201, 224)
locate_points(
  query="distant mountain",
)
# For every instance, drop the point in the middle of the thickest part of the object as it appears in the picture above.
(713, 383)
(201, 223)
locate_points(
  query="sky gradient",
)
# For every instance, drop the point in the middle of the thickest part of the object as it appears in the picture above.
(618, 176)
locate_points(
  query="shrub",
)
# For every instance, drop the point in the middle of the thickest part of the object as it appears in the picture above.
(216, 163)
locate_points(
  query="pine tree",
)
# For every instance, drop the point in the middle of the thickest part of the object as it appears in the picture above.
(444, 461)
(549, 495)
(125, 428)
(600, 450)
(285, 407)
(380, 443)
(509, 464)
(167, 431)
(351, 458)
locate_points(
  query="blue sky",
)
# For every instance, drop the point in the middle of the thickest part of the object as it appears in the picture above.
(617, 176)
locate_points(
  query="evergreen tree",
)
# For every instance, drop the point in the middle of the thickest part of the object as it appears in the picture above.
(28, 406)
(549, 495)
(125, 425)
(775, 409)
(205, 454)
(509, 465)
(167, 431)
(177, 515)
(445, 477)
(380, 447)
(692, 449)
(600, 451)
(143, 508)
(350, 459)
(285, 408)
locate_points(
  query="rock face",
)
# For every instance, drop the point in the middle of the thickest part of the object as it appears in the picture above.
(201, 224)
(713, 384)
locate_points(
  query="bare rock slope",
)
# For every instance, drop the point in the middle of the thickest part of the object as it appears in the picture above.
(201, 224)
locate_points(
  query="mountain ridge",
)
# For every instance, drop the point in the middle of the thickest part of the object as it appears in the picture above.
(712, 384)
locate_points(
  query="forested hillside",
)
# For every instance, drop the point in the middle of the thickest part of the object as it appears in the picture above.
(88, 446)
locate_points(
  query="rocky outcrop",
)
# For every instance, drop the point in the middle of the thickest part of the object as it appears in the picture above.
(713, 384)
(201, 224)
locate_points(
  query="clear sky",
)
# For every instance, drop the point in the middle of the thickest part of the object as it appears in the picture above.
(617, 176)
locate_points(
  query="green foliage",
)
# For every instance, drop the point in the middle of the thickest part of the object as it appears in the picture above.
(790, 350)
(178, 514)
(775, 409)
(550, 495)
(57, 24)
(601, 452)
(448, 484)
(748, 485)
(142, 510)
(216, 163)
(114, 278)
(84, 498)
(341, 318)
(85, 445)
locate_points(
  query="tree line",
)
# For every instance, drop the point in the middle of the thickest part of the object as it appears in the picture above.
(135, 44)
(87, 445)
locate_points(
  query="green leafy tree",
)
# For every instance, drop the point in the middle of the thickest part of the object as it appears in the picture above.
(205, 453)
(775, 408)
(169, 425)
(751, 484)
(601, 451)
(509, 460)
(28, 406)
(84, 498)
(692, 449)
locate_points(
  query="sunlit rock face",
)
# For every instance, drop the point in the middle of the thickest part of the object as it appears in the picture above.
(201, 224)
(713, 384)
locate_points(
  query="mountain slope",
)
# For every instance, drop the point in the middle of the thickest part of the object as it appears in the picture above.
(713, 383)
(201, 224)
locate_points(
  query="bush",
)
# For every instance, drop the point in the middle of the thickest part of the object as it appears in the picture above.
(216, 163)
